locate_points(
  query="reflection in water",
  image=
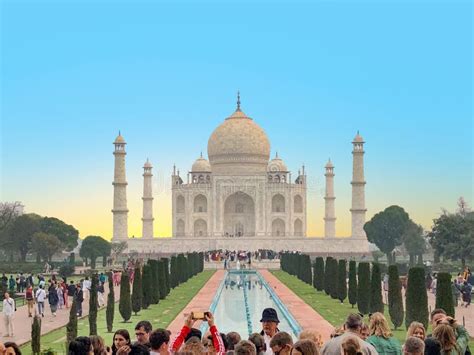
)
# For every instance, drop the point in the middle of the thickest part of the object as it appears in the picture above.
(230, 312)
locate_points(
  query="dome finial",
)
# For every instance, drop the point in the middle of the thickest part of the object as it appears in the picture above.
(276, 154)
(119, 133)
(238, 101)
(201, 153)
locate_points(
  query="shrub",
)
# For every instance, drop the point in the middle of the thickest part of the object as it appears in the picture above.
(376, 302)
(363, 287)
(341, 281)
(327, 275)
(66, 270)
(395, 301)
(318, 277)
(444, 293)
(125, 305)
(36, 335)
(93, 305)
(147, 283)
(109, 312)
(137, 292)
(352, 293)
(71, 327)
(416, 297)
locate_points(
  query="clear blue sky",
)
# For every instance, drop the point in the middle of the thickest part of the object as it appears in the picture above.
(311, 74)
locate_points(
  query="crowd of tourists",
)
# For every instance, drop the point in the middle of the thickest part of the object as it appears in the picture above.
(354, 337)
(461, 287)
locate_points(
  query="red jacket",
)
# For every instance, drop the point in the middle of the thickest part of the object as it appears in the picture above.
(175, 345)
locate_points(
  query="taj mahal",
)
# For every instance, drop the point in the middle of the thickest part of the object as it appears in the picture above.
(240, 199)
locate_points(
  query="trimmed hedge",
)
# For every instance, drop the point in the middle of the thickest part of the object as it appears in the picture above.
(444, 293)
(318, 276)
(363, 287)
(376, 301)
(416, 297)
(352, 293)
(395, 301)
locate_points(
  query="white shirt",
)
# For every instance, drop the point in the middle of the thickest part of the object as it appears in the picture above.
(9, 307)
(40, 295)
(267, 339)
(86, 285)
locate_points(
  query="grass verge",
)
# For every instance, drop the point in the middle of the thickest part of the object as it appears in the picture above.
(332, 310)
(160, 315)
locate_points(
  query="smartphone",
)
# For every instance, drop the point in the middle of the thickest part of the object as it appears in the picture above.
(198, 315)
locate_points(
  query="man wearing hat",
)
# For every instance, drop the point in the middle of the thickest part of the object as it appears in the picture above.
(270, 327)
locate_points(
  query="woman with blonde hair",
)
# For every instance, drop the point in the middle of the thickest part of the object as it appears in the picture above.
(312, 334)
(305, 347)
(417, 330)
(351, 346)
(381, 337)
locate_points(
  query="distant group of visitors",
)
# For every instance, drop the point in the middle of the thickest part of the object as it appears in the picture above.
(461, 287)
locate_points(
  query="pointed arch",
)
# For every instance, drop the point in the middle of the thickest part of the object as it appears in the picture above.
(278, 203)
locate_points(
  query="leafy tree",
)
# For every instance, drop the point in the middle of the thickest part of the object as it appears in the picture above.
(93, 247)
(363, 287)
(341, 281)
(93, 305)
(71, 327)
(386, 230)
(414, 242)
(416, 297)
(36, 335)
(444, 293)
(109, 312)
(452, 236)
(8, 212)
(67, 234)
(125, 305)
(137, 292)
(19, 234)
(395, 301)
(352, 293)
(376, 302)
(318, 278)
(147, 283)
(46, 245)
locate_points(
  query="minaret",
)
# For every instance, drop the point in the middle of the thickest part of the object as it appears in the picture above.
(358, 188)
(147, 230)
(120, 210)
(329, 198)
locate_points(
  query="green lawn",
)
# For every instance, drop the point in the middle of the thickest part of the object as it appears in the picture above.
(159, 315)
(332, 310)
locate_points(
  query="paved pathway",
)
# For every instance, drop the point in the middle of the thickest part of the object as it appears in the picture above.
(306, 316)
(22, 323)
(202, 301)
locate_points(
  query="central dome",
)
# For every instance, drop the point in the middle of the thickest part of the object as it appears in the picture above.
(238, 145)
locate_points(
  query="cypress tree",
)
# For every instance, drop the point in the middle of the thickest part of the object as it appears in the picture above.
(155, 281)
(318, 278)
(352, 293)
(174, 272)
(306, 271)
(147, 296)
(125, 305)
(166, 272)
(416, 298)
(109, 312)
(395, 301)
(334, 279)
(327, 275)
(36, 335)
(137, 292)
(71, 327)
(161, 279)
(341, 281)
(444, 293)
(376, 302)
(363, 287)
(93, 305)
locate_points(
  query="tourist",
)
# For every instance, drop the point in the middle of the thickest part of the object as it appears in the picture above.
(353, 325)
(281, 343)
(11, 284)
(414, 346)
(71, 291)
(100, 294)
(12, 348)
(9, 309)
(53, 299)
(232, 339)
(193, 346)
(351, 346)
(269, 327)
(245, 347)
(79, 295)
(364, 331)
(436, 316)
(159, 342)
(444, 333)
(86, 287)
(98, 345)
(432, 346)
(259, 342)
(40, 297)
(312, 334)
(456, 291)
(121, 339)
(417, 330)
(81, 346)
(134, 349)
(60, 293)
(30, 300)
(2, 348)
(466, 293)
(142, 332)
(305, 347)
(381, 337)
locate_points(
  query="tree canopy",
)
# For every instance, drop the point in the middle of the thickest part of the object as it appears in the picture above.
(17, 237)
(45, 245)
(66, 233)
(414, 241)
(93, 247)
(386, 230)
